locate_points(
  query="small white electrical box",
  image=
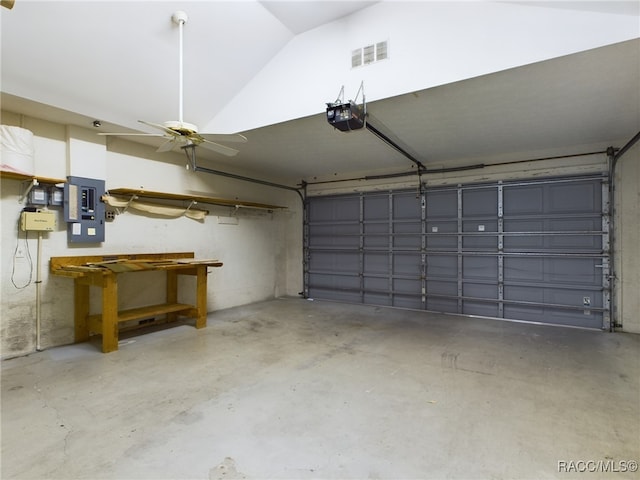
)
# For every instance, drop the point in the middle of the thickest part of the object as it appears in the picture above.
(38, 221)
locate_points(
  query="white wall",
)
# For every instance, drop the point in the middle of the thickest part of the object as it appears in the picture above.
(627, 240)
(261, 254)
(432, 43)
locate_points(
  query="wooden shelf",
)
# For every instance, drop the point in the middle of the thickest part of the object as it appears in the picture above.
(146, 312)
(23, 176)
(129, 192)
(192, 198)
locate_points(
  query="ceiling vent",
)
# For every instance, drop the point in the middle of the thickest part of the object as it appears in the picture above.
(369, 54)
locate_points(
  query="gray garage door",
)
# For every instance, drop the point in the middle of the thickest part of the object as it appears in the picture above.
(530, 250)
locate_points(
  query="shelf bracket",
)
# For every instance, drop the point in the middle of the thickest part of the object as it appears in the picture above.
(27, 189)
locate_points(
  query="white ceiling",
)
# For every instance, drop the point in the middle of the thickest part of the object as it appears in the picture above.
(73, 62)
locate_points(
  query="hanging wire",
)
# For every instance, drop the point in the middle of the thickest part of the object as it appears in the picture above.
(28, 257)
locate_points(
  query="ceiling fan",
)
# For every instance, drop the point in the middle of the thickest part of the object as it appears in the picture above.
(179, 132)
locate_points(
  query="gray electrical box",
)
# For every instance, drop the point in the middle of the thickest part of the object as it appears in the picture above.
(84, 209)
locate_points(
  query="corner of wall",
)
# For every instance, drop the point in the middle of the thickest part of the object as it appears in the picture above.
(627, 240)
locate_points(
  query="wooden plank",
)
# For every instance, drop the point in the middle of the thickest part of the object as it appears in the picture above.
(171, 292)
(201, 296)
(95, 324)
(58, 263)
(152, 311)
(196, 198)
(109, 314)
(81, 311)
(140, 313)
(23, 176)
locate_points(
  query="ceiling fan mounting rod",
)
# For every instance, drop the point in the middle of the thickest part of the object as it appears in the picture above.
(180, 18)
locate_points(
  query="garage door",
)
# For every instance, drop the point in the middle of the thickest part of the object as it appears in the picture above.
(529, 250)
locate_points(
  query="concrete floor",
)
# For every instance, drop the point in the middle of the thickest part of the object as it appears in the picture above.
(292, 388)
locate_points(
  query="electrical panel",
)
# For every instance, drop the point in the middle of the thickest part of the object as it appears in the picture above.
(84, 209)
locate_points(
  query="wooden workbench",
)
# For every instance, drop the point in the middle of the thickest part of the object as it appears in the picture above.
(103, 271)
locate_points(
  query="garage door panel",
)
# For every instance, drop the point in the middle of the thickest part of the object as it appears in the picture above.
(376, 284)
(555, 316)
(407, 264)
(402, 301)
(524, 269)
(437, 237)
(574, 297)
(481, 202)
(480, 267)
(376, 235)
(445, 305)
(340, 262)
(376, 263)
(574, 198)
(480, 237)
(531, 250)
(376, 207)
(335, 294)
(484, 309)
(523, 200)
(443, 266)
(407, 286)
(407, 235)
(480, 290)
(333, 209)
(573, 271)
(337, 236)
(441, 204)
(571, 297)
(406, 206)
(442, 287)
(523, 293)
(557, 270)
(336, 282)
(370, 298)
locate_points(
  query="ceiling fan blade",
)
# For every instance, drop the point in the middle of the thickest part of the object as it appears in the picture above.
(224, 137)
(132, 134)
(168, 145)
(7, 3)
(228, 151)
(160, 127)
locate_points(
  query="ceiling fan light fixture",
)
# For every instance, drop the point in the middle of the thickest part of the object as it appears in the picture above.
(183, 128)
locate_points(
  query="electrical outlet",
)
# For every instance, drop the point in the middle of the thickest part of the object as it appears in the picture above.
(110, 215)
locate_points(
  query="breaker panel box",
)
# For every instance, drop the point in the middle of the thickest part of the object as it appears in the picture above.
(84, 209)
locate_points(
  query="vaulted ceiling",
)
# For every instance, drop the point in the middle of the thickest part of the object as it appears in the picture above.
(74, 62)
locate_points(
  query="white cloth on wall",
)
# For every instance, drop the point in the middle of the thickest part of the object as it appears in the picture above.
(155, 208)
(17, 149)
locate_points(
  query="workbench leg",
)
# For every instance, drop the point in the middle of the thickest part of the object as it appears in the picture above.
(109, 314)
(81, 310)
(201, 296)
(172, 292)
